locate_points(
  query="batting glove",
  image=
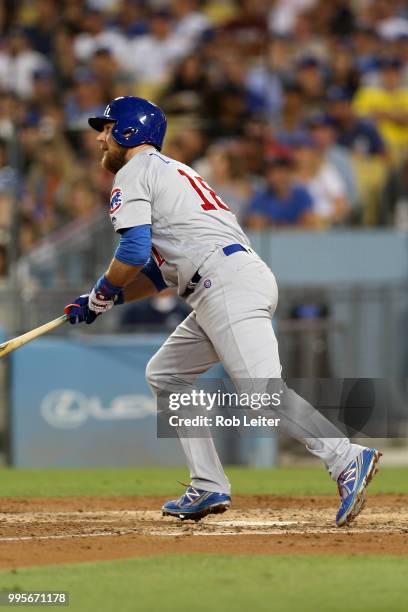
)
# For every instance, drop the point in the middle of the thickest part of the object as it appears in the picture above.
(90, 305)
(78, 311)
(104, 296)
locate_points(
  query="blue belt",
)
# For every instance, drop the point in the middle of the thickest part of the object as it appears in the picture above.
(228, 250)
(233, 248)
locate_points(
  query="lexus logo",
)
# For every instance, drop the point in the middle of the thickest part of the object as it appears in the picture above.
(69, 408)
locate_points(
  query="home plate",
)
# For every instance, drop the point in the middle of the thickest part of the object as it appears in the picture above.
(244, 523)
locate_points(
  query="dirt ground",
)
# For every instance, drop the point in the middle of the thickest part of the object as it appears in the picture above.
(36, 531)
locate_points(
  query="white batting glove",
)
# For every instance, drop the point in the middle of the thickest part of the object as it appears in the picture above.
(98, 303)
(104, 296)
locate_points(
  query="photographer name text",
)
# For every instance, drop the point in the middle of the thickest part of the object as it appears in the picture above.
(221, 421)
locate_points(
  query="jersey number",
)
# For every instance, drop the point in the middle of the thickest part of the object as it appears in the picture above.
(207, 204)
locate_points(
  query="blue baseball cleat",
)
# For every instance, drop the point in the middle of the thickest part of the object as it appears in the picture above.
(352, 484)
(196, 503)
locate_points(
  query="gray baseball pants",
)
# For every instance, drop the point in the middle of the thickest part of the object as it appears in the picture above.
(231, 323)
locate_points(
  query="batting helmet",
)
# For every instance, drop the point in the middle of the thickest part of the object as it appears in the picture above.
(136, 121)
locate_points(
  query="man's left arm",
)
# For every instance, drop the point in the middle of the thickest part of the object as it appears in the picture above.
(129, 259)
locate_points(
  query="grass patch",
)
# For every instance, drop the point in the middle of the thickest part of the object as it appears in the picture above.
(215, 582)
(163, 481)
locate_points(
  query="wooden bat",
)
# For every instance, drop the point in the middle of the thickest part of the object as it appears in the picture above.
(15, 343)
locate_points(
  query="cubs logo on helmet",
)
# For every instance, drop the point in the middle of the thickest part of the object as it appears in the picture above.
(116, 200)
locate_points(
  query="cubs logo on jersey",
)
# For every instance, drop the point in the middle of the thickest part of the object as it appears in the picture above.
(116, 200)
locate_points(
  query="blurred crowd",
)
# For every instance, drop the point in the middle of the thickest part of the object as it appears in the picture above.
(295, 111)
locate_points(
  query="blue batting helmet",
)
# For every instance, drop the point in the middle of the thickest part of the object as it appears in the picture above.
(137, 121)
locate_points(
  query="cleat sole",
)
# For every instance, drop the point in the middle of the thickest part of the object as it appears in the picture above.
(200, 514)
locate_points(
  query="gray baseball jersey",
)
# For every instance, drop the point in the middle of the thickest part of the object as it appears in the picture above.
(189, 221)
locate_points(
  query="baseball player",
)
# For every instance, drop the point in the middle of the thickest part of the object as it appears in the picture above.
(175, 231)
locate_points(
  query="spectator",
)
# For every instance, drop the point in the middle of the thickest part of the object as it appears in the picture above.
(343, 71)
(29, 137)
(41, 32)
(361, 137)
(366, 51)
(46, 182)
(18, 64)
(253, 147)
(7, 190)
(28, 235)
(43, 92)
(247, 30)
(112, 81)
(308, 38)
(284, 14)
(292, 117)
(387, 104)
(10, 109)
(338, 17)
(400, 47)
(131, 18)
(8, 178)
(153, 56)
(391, 26)
(73, 15)
(190, 23)
(63, 58)
(85, 100)
(323, 182)
(265, 80)
(227, 111)
(394, 200)
(282, 203)
(83, 205)
(312, 85)
(323, 132)
(184, 93)
(98, 35)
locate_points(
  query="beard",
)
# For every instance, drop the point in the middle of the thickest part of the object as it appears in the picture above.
(114, 159)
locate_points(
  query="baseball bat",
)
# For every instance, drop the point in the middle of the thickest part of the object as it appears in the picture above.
(15, 343)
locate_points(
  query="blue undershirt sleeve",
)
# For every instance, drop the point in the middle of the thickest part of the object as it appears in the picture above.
(135, 245)
(152, 271)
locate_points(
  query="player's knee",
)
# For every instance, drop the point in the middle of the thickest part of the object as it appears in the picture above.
(152, 374)
(157, 379)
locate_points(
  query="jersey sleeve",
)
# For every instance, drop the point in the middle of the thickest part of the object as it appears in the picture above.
(130, 201)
